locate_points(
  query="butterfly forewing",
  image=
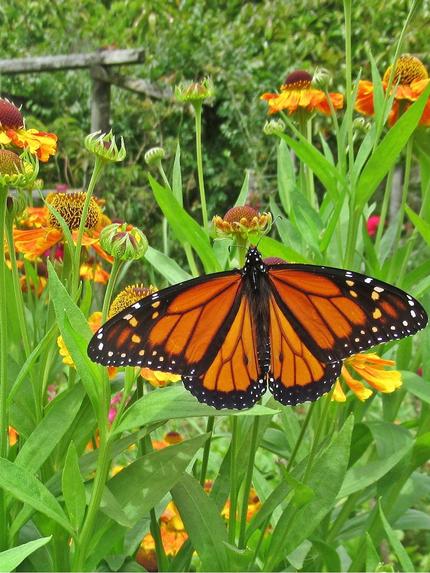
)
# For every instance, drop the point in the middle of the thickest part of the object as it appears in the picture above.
(339, 313)
(178, 329)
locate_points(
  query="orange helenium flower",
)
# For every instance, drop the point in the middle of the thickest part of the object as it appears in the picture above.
(44, 231)
(410, 80)
(298, 94)
(12, 131)
(371, 369)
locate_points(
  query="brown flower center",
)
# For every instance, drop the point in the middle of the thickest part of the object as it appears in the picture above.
(10, 163)
(128, 296)
(70, 207)
(408, 69)
(10, 116)
(297, 80)
(236, 214)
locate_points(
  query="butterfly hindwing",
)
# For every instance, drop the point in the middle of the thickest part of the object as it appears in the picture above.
(234, 378)
(175, 330)
(296, 374)
(338, 313)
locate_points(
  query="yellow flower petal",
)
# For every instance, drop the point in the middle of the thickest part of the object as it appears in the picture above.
(338, 394)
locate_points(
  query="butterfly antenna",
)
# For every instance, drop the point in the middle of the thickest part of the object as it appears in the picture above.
(269, 228)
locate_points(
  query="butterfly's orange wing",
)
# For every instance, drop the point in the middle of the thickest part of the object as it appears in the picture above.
(319, 316)
(176, 330)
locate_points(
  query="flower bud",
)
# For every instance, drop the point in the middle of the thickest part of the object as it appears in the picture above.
(274, 126)
(123, 242)
(17, 171)
(241, 222)
(104, 145)
(195, 92)
(321, 79)
(16, 205)
(154, 156)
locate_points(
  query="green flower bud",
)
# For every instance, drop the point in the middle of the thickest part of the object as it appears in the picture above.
(321, 79)
(195, 92)
(17, 171)
(274, 126)
(123, 241)
(16, 205)
(154, 156)
(103, 145)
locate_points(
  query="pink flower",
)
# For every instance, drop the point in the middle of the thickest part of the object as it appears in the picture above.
(373, 224)
(116, 399)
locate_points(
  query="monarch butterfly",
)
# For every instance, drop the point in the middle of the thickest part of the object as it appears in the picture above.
(232, 334)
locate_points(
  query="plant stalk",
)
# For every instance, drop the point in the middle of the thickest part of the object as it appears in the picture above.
(198, 122)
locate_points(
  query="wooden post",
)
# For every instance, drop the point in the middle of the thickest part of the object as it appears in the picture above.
(100, 103)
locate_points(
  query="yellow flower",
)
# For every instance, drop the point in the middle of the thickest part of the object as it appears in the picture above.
(297, 94)
(12, 131)
(93, 271)
(13, 436)
(241, 221)
(159, 379)
(410, 80)
(371, 369)
(128, 296)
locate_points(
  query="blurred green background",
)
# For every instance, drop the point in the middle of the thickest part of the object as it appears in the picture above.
(246, 47)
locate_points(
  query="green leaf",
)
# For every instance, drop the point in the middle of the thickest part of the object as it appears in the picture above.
(10, 559)
(177, 177)
(413, 519)
(142, 484)
(243, 194)
(203, 523)
(175, 402)
(372, 556)
(24, 486)
(325, 479)
(73, 488)
(185, 227)
(271, 248)
(166, 266)
(76, 334)
(416, 385)
(404, 560)
(289, 234)
(323, 169)
(285, 175)
(422, 226)
(47, 434)
(388, 150)
(362, 476)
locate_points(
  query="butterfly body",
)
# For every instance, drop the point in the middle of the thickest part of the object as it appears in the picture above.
(233, 334)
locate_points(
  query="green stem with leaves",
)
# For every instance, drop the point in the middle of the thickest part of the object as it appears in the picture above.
(301, 436)
(96, 174)
(198, 122)
(3, 366)
(233, 479)
(248, 482)
(206, 451)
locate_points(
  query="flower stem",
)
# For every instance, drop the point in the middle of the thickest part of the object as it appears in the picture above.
(301, 435)
(116, 267)
(96, 497)
(98, 166)
(233, 479)
(206, 451)
(3, 366)
(348, 79)
(198, 117)
(248, 482)
(384, 209)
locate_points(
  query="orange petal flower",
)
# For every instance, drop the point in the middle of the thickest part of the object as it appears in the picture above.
(34, 242)
(410, 80)
(371, 368)
(159, 379)
(297, 94)
(92, 271)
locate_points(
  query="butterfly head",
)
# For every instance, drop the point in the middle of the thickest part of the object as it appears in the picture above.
(254, 262)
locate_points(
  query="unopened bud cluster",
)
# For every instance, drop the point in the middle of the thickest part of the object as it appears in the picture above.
(123, 242)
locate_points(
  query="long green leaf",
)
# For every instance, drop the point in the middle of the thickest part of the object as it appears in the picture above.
(185, 227)
(177, 177)
(73, 487)
(175, 402)
(10, 559)
(404, 559)
(285, 176)
(203, 523)
(423, 227)
(315, 160)
(388, 150)
(166, 266)
(45, 437)
(243, 194)
(24, 486)
(142, 484)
